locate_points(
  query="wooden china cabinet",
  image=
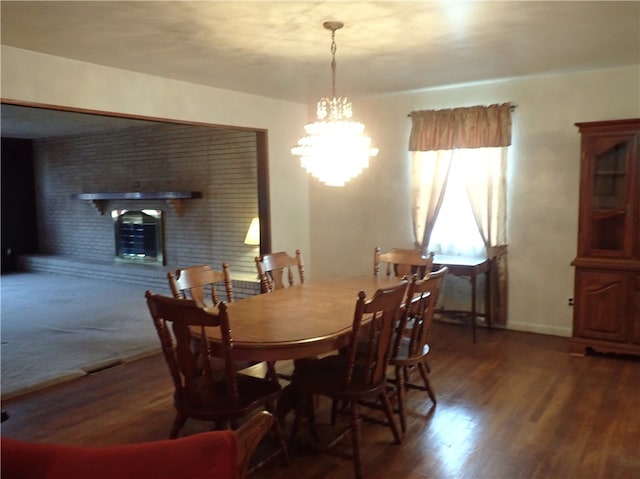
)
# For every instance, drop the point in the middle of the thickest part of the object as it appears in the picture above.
(607, 269)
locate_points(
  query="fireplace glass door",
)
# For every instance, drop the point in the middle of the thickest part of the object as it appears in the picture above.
(138, 236)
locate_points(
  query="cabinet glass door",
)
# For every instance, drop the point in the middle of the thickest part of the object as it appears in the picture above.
(609, 216)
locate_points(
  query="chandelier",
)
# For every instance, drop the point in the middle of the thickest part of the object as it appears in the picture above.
(335, 148)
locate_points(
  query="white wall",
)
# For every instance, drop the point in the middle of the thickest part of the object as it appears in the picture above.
(543, 183)
(34, 77)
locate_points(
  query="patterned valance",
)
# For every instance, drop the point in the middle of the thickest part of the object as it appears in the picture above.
(469, 127)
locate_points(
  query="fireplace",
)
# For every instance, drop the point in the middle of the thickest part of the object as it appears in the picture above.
(138, 236)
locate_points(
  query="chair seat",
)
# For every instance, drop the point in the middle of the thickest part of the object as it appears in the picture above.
(404, 357)
(252, 393)
(217, 366)
(325, 376)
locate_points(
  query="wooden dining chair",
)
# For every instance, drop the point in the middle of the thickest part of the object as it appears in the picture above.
(201, 283)
(410, 344)
(402, 262)
(276, 271)
(205, 285)
(350, 377)
(221, 395)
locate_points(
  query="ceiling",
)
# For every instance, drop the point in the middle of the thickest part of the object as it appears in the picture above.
(33, 123)
(281, 50)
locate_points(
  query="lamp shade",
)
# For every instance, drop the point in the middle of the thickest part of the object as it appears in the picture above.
(253, 233)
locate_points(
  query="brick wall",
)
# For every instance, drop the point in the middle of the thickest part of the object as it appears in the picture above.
(217, 162)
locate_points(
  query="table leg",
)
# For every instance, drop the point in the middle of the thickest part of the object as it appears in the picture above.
(286, 403)
(487, 297)
(473, 307)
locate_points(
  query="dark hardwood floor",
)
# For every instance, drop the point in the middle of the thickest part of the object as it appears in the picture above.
(512, 406)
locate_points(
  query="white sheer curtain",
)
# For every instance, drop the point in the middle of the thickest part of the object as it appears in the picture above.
(429, 173)
(473, 184)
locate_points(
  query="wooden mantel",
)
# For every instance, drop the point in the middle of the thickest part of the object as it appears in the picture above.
(173, 198)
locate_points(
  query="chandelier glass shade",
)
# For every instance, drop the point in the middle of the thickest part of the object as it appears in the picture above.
(335, 148)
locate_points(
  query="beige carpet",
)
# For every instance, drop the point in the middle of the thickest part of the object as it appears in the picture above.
(54, 328)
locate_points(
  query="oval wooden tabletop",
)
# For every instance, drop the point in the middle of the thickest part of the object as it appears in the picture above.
(299, 321)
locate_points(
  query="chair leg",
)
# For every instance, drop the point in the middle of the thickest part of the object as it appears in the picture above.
(334, 411)
(311, 417)
(251, 464)
(299, 411)
(356, 439)
(281, 440)
(400, 390)
(271, 372)
(337, 406)
(405, 371)
(425, 377)
(389, 413)
(178, 422)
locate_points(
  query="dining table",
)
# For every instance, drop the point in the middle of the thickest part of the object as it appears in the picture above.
(297, 322)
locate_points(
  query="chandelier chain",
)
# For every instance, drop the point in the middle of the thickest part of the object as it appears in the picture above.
(335, 148)
(333, 62)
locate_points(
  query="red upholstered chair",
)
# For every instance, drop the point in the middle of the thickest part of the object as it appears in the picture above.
(209, 455)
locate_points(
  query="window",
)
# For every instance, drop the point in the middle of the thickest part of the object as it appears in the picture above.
(455, 230)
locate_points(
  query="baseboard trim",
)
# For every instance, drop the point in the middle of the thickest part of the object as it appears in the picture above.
(539, 329)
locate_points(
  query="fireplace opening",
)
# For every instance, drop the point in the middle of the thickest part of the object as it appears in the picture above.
(138, 236)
